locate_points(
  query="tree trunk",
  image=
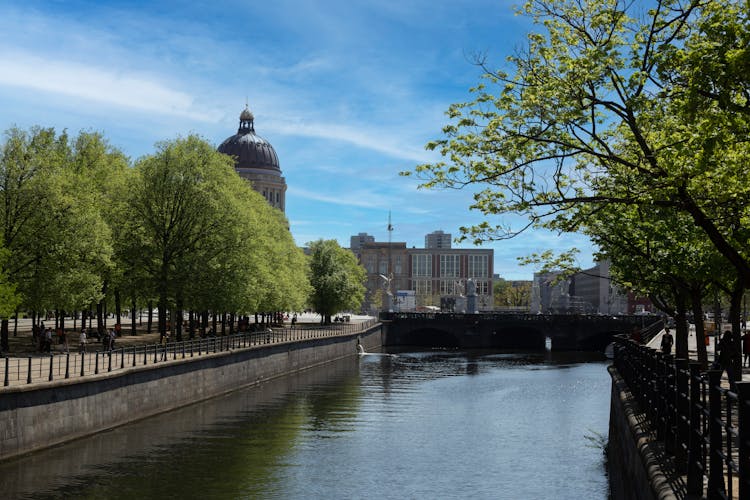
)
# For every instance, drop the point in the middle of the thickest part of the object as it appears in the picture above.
(681, 326)
(118, 309)
(4, 335)
(178, 317)
(700, 333)
(133, 330)
(100, 317)
(735, 318)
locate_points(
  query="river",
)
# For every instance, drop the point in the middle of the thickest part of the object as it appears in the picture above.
(437, 424)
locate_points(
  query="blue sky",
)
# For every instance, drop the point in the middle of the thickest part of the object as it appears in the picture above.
(347, 92)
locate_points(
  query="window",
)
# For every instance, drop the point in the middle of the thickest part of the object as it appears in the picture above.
(370, 264)
(421, 265)
(449, 266)
(397, 266)
(482, 287)
(448, 287)
(478, 266)
(422, 287)
(383, 267)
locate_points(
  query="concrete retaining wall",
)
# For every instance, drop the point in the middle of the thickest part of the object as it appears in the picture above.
(47, 414)
(634, 467)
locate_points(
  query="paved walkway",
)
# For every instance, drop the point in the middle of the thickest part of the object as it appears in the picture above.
(655, 343)
(37, 369)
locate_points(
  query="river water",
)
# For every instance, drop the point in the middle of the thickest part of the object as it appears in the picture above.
(437, 424)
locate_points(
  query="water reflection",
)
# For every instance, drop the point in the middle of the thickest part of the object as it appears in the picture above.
(417, 424)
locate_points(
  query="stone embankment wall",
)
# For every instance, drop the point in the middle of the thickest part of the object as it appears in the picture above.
(634, 467)
(43, 415)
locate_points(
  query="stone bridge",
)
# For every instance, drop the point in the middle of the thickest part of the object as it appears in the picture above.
(564, 332)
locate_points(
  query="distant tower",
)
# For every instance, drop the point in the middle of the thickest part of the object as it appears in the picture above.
(256, 161)
(437, 239)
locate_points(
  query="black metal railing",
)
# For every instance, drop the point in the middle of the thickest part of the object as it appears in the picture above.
(704, 425)
(35, 369)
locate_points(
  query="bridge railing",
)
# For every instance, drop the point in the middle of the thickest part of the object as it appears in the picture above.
(704, 425)
(641, 321)
(47, 368)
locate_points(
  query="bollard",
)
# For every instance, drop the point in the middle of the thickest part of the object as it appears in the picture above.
(156, 353)
(67, 365)
(183, 350)
(134, 355)
(122, 358)
(28, 377)
(51, 362)
(145, 355)
(6, 383)
(96, 363)
(83, 354)
(109, 362)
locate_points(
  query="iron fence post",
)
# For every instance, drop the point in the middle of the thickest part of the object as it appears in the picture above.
(96, 363)
(695, 469)
(6, 382)
(682, 414)
(67, 365)
(716, 466)
(83, 359)
(28, 377)
(743, 423)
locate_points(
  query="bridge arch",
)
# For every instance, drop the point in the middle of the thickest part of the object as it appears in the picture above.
(433, 337)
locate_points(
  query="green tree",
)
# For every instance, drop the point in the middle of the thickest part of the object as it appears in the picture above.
(337, 279)
(656, 102)
(176, 200)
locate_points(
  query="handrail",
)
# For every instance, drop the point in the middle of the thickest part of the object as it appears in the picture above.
(35, 369)
(704, 426)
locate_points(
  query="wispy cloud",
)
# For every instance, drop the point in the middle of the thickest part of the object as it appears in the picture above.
(362, 199)
(98, 84)
(358, 136)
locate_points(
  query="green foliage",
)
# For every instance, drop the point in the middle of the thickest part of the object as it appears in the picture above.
(510, 294)
(628, 126)
(336, 277)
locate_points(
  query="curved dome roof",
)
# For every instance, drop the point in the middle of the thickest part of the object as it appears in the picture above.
(250, 151)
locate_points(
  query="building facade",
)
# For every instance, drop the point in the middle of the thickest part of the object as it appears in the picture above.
(255, 160)
(437, 239)
(587, 292)
(431, 273)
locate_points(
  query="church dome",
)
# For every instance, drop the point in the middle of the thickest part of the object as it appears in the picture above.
(250, 151)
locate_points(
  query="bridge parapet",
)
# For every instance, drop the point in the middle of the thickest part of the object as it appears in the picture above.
(508, 330)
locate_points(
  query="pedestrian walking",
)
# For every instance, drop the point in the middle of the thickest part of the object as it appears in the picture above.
(746, 348)
(726, 349)
(63, 340)
(667, 341)
(82, 341)
(164, 342)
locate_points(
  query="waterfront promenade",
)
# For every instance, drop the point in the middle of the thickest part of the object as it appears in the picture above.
(30, 368)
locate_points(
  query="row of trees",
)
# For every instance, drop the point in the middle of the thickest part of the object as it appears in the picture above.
(179, 228)
(629, 124)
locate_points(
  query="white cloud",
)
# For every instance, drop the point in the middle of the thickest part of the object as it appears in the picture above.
(100, 85)
(366, 138)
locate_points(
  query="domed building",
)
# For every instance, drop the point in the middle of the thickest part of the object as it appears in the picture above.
(256, 160)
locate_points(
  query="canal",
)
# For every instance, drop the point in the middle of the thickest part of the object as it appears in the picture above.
(437, 424)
